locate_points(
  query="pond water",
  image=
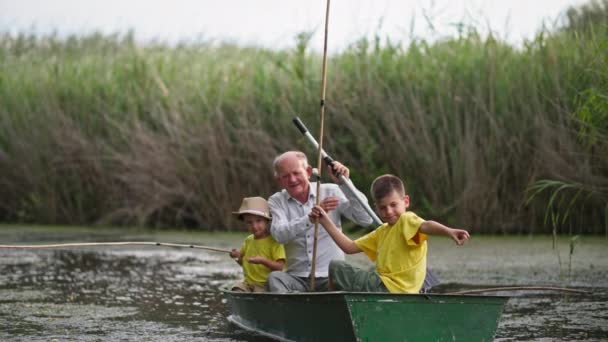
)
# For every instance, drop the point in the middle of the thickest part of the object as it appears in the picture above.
(152, 293)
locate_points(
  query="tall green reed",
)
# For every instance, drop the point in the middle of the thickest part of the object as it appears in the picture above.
(101, 129)
(581, 198)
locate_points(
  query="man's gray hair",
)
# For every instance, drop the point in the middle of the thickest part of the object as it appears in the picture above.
(298, 154)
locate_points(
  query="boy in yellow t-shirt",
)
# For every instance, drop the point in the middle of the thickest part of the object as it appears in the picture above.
(260, 253)
(398, 246)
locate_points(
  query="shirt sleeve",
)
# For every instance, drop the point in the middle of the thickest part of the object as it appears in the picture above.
(282, 229)
(278, 252)
(369, 244)
(410, 226)
(351, 208)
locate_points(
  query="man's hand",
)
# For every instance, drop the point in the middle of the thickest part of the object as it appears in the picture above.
(336, 169)
(330, 203)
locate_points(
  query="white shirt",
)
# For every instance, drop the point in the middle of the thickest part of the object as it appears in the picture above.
(291, 227)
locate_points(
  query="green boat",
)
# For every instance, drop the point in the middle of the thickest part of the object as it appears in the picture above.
(348, 316)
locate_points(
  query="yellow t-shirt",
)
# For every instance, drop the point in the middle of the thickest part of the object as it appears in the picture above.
(266, 247)
(399, 252)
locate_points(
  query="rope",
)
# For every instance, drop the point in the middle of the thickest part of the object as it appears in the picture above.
(130, 243)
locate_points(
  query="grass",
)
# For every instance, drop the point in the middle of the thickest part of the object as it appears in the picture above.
(99, 129)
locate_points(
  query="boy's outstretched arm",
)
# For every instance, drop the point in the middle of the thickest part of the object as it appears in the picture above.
(273, 265)
(460, 236)
(344, 242)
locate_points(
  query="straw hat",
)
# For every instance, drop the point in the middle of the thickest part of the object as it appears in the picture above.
(255, 206)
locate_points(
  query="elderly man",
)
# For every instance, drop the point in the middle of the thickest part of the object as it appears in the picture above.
(292, 227)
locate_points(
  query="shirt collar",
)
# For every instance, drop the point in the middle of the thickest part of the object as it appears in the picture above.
(312, 192)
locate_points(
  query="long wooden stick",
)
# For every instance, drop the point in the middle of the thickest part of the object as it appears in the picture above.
(320, 154)
(128, 243)
(519, 288)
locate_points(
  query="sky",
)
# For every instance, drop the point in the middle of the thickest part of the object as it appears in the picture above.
(275, 23)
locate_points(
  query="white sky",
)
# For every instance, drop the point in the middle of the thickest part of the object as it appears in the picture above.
(274, 23)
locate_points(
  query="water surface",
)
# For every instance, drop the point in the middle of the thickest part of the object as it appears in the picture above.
(168, 294)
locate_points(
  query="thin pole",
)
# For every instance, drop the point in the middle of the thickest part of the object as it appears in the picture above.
(519, 288)
(320, 154)
(130, 243)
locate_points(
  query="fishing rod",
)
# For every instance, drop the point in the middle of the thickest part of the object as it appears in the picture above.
(319, 159)
(127, 243)
(329, 161)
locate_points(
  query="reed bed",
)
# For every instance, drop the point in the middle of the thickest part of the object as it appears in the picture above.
(99, 129)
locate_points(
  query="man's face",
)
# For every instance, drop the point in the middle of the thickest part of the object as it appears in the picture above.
(392, 206)
(293, 176)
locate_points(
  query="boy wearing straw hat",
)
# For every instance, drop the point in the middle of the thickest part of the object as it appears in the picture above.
(260, 253)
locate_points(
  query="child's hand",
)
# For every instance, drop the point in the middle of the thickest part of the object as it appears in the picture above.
(256, 259)
(317, 213)
(235, 254)
(460, 236)
(330, 203)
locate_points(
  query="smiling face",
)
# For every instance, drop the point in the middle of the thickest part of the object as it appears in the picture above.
(292, 174)
(256, 225)
(391, 206)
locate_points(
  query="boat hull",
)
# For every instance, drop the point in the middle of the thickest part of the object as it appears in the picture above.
(346, 316)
